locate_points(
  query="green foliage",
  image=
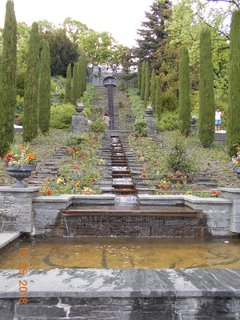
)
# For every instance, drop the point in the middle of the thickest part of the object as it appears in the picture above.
(167, 122)
(122, 85)
(61, 116)
(75, 84)
(58, 85)
(137, 105)
(44, 89)
(140, 128)
(177, 158)
(62, 51)
(8, 64)
(143, 74)
(76, 139)
(139, 76)
(30, 126)
(184, 93)
(153, 88)
(206, 92)
(98, 125)
(233, 126)
(68, 88)
(158, 102)
(147, 89)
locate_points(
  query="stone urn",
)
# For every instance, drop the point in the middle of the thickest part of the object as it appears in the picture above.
(79, 107)
(149, 110)
(237, 171)
(20, 173)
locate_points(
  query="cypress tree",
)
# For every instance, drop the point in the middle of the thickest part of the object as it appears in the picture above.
(31, 87)
(82, 74)
(139, 76)
(158, 98)
(153, 88)
(44, 89)
(206, 92)
(8, 78)
(68, 89)
(184, 93)
(146, 94)
(233, 125)
(142, 93)
(75, 84)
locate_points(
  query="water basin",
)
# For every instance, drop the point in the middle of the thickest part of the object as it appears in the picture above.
(123, 253)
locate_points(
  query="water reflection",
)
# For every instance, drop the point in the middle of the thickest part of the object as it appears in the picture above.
(124, 253)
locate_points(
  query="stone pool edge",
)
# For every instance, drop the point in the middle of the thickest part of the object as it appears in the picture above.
(122, 283)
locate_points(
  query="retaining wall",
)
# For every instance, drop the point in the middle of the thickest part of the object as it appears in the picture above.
(193, 294)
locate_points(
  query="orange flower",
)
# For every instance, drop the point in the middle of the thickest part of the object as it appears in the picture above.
(31, 157)
(75, 166)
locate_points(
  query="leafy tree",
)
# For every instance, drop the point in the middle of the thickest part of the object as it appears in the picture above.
(184, 93)
(206, 92)
(62, 51)
(8, 78)
(74, 29)
(68, 90)
(233, 126)
(44, 89)
(30, 124)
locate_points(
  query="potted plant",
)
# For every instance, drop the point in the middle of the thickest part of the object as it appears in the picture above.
(19, 164)
(236, 163)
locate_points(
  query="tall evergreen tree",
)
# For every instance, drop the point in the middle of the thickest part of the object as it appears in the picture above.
(31, 88)
(153, 30)
(153, 87)
(158, 107)
(68, 89)
(143, 73)
(184, 93)
(147, 89)
(75, 84)
(82, 67)
(44, 89)
(233, 125)
(139, 76)
(206, 91)
(8, 66)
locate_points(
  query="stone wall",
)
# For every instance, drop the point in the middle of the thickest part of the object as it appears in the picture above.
(193, 294)
(16, 212)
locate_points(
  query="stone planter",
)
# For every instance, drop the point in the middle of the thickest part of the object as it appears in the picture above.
(20, 173)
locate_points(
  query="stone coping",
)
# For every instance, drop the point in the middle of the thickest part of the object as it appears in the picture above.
(230, 190)
(7, 237)
(28, 189)
(96, 283)
(69, 197)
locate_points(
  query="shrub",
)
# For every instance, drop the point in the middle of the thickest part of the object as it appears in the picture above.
(76, 139)
(168, 122)
(178, 160)
(122, 85)
(98, 125)
(61, 116)
(140, 127)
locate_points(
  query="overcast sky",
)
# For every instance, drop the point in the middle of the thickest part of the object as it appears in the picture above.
(119, 17)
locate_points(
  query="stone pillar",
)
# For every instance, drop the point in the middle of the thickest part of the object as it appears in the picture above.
(16, 210)
(151, 121)
(78, 123)
(234, 195)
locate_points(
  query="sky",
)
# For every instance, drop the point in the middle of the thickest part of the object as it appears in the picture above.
(119, 17)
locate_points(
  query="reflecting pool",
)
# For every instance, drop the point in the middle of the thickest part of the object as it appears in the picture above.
(123, 253)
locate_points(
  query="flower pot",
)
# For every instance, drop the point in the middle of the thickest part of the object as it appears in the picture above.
(20, 173)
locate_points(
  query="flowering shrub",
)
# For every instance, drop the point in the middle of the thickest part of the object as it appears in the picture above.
(215, 193)
(236, 160)
(164, 185)
(19, 157)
